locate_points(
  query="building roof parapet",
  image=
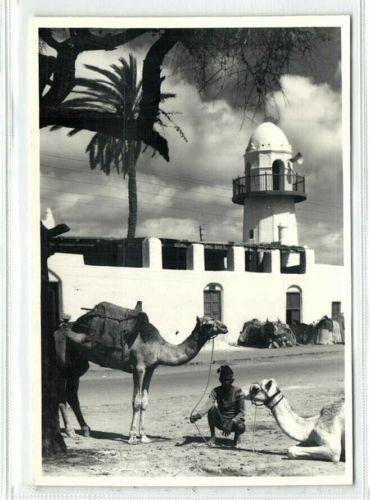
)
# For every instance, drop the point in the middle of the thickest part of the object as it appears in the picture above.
(68, 244)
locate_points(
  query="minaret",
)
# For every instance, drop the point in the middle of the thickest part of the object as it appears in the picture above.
(270, 188)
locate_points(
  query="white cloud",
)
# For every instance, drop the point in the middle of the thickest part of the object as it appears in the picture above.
(195, 187)
(310, 115)
(170, 227)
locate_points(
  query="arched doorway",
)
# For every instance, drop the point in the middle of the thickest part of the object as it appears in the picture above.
(212, 299)
(277, 175)
(293, 305)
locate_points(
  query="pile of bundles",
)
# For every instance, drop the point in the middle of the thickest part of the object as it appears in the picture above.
(266, 335)
(326, 331)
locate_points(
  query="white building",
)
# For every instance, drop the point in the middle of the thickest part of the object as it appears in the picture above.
(268, 276)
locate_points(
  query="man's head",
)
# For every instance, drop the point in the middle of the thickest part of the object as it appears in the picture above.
(226, 375)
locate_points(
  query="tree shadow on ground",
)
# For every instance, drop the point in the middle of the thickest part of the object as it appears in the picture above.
(85, 457)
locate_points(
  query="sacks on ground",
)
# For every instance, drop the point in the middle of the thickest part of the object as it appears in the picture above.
(266, 335)
(304, 333)
(279, 334)
(252, 335)
(326, 331)
(340, 320)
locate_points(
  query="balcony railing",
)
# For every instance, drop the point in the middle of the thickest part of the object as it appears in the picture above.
(274, 184)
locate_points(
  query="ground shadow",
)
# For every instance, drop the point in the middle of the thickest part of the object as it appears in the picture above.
(224, 443)
(220, 442)
(190, 440)
(77, 458)
(154, 439)
(264, 452)
(113, 436)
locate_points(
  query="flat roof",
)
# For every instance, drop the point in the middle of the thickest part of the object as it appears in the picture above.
(77, 244)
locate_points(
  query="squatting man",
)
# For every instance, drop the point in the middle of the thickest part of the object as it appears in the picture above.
(225, 407)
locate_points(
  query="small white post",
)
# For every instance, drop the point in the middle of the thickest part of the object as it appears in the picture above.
(236, 259)
(275, 261)
(310, 259)
(152, 253)
(195, 257)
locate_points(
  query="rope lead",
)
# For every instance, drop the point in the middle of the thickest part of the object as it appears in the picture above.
(254, 427)
(204, 392)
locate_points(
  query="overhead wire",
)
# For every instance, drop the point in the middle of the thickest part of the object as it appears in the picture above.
(202, 182)
(334, 208)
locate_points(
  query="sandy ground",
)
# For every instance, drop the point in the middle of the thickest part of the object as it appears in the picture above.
(308, 378)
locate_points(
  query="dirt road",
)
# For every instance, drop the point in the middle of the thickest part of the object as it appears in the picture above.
(308, 381)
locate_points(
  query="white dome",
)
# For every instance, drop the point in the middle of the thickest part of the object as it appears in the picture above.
(268, 136)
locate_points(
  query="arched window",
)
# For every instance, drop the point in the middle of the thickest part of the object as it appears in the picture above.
(212, 297)
(293, 305)
(277, 175)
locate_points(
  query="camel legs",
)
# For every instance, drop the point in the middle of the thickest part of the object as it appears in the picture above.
(144, 404)
(72, 385)
(67, 425)
(315, 452)
(136, 404)
(63, 406)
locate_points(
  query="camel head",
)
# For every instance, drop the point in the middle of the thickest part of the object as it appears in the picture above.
(264, 391)
(209, 327)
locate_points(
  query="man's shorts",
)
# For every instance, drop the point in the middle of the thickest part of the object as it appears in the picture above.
(219, 420)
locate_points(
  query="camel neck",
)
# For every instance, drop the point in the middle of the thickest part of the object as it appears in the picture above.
(175, 355)
(293, 425)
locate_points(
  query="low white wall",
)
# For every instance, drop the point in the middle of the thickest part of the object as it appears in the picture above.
(173, 298)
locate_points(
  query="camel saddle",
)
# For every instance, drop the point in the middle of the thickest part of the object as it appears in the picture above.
(111, 326)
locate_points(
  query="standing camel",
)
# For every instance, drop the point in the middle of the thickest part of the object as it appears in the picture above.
(320, 437)
(124, 339)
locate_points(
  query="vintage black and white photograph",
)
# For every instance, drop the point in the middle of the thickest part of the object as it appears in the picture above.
(195, 277)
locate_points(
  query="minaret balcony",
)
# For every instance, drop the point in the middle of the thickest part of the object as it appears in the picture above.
(287, 185)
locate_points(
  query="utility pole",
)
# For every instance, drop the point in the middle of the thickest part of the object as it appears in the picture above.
(200, 233)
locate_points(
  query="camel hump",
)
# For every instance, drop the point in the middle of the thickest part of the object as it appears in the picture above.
(110, 325)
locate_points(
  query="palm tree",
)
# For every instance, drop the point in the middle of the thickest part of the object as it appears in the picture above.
(118, 92)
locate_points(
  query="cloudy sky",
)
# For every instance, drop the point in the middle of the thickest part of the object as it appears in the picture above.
(195, 187)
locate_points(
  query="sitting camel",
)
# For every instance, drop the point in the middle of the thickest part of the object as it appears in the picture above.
(139, 352)
(320, 437)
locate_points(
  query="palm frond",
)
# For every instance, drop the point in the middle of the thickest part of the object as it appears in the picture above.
(100, 87)
(85, 83)
(84, 103)
(55, 127)
(105, 72)
(74, 132)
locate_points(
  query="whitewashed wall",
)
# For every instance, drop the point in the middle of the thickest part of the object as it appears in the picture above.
(173, 298)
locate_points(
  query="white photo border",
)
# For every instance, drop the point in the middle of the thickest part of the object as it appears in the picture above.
(359, 253)
(342, 22)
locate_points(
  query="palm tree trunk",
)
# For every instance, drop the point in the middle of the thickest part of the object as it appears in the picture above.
(132, 198)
